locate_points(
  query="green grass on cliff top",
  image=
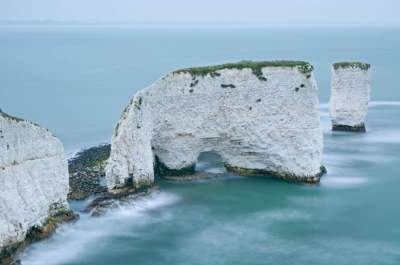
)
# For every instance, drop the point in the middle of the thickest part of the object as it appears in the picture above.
(304, 67)
(363, 66)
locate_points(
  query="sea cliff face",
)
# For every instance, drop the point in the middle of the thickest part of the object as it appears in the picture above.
(33, 183)
(350, 93)
(262, 118)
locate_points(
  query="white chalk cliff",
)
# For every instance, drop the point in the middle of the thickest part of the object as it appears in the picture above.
(260, 117)
(350, 94)
(33, 178)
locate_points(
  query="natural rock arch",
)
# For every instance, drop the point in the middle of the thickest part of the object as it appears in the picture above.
(210, 162)
(261, 117)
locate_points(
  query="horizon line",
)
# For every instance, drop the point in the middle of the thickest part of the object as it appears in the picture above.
(53, 22)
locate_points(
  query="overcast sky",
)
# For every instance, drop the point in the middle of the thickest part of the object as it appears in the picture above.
(210, 11)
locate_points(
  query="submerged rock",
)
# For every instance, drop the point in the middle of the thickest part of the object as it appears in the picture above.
(198, 175)
(33, 184)
(115, 199)
(291, 178)
(266, 119)
(87, 171)
(350, 93)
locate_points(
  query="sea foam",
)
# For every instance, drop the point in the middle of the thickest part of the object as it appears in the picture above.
(72, 241)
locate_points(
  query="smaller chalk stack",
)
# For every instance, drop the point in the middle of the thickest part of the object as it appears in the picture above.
(350, 93)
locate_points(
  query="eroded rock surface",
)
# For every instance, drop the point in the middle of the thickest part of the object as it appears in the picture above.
(261, 117)
(33, 184)
(350, 93)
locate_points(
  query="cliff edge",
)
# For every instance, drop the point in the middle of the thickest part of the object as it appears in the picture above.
(33, 184)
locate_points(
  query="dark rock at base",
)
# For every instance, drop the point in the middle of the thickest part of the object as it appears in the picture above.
(117, 198)
(323, 171)
(9, 255)
(348, 128)
(185, 174)
(198, 175)
(160, 169)
(86, 171)
(280, 175)
(190, 174)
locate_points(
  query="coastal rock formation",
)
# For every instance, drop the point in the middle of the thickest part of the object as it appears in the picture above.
(350, 93)
(87, 172)
(33, 184)
(262, 118)
(112, 200)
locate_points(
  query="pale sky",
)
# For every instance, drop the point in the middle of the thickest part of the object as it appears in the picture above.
(206, 11)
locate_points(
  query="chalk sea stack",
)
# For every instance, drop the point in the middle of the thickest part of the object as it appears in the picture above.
(262, 118)
(33, 184)
(350, 93)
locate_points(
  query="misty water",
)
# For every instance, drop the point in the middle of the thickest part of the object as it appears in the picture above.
(76, 81)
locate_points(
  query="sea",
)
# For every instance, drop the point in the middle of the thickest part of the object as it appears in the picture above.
(75, 80)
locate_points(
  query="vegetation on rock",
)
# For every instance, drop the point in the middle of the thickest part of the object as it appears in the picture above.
(360, 65)
(256, 67)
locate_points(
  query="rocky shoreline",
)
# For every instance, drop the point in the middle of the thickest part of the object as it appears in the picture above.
(280, 175)
(10, 254)
(115, 199)
(87, 171)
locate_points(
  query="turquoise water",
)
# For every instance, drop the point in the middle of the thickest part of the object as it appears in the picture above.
(352, 217)
(76, 81)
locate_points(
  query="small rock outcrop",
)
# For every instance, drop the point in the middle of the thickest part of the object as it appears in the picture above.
(350, 93)
(262, 118)
(113, 200)
(33, 184)
(87, 172)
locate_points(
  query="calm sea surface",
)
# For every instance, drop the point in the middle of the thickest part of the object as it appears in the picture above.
(76, 81)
